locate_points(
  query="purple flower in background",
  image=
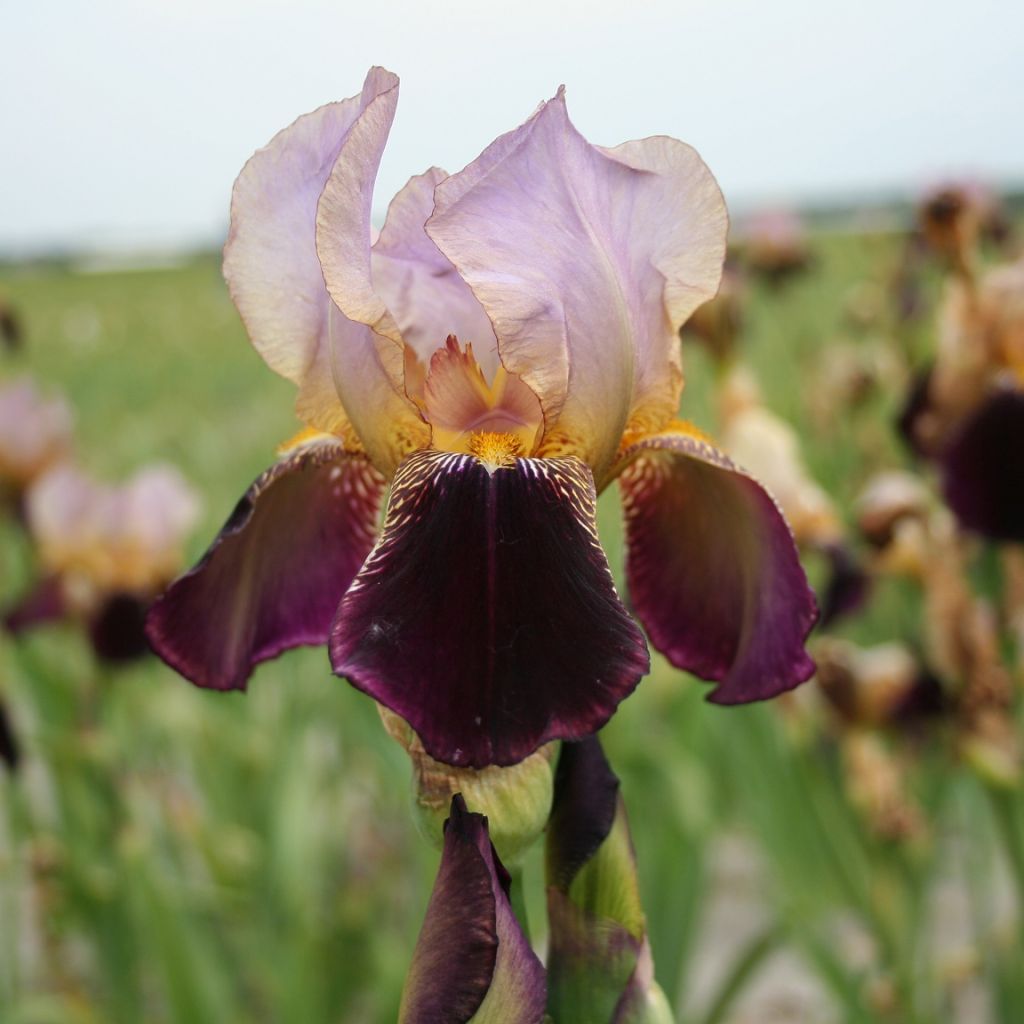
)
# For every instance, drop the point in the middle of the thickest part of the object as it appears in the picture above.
(104, 552)
(966, 411)
(504, 349)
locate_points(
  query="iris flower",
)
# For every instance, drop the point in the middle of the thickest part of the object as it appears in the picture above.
(966, 412)
(104, 552)
(503, 350)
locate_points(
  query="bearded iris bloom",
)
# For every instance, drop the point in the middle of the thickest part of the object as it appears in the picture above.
(966, 411)
(498, 355)
(104, 552)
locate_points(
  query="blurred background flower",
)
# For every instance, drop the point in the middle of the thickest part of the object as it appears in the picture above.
(104, 552)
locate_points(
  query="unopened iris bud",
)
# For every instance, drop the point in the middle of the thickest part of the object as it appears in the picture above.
(516, 799)
(472, 962)
(600, 969)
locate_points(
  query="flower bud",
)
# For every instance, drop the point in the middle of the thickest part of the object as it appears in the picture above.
(472, 963)
(600, 969)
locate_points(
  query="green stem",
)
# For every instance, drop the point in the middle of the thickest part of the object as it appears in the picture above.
(517, 897)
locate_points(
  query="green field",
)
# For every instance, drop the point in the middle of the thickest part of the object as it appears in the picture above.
(172, 855)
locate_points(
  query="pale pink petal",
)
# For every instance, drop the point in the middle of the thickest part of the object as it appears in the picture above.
(35, 432)
(367, 350)
(270, 260)
(64, 509)
(127, 538)
(586, 261)
(420, 287)
(151, 518)
(681, 215)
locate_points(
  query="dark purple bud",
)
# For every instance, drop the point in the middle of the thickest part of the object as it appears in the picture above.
(472, 961)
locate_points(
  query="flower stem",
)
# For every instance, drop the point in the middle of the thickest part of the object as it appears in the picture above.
(517, 897)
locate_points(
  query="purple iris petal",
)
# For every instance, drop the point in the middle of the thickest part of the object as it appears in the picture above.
(118, 631)
(421, 289)
(983, 469)
(471, 954)
(486, 616)
(847, 586)
(713, 571)
(274, 575)
(587, 262)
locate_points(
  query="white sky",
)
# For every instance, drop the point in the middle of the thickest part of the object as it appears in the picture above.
(127, 122)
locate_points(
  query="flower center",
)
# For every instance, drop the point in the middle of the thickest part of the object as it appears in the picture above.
(495, 451)
(498, 421)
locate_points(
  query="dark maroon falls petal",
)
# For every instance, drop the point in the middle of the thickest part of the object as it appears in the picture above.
(983, 469)
(486, 616)
(846, 588)
(471, 947)
(273, 577)
(712, 568)
(118, 632)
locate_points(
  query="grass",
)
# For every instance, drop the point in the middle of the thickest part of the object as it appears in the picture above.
(171, 855)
